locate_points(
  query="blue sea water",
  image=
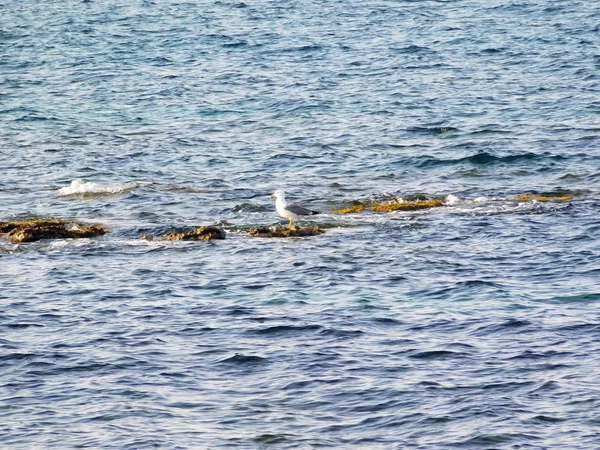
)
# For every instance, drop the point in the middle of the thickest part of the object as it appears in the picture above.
(471, 326)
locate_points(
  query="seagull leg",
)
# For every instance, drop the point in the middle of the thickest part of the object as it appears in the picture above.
(290, 225)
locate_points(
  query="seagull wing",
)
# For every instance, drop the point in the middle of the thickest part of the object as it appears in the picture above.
(294, 208)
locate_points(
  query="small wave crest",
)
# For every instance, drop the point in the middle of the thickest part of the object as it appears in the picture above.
(81, 187)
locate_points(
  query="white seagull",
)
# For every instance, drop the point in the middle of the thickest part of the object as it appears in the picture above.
(290, 210)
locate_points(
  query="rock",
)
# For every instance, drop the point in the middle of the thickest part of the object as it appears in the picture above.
(285, 232)
(35, 230)
(408, 205)
(199, 234)
(5, 227)
(354, 208)
(542, 198)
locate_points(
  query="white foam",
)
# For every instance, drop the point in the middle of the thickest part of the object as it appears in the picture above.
(451, 200)
(80, 186)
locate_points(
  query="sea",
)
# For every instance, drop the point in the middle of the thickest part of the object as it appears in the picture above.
(474, 325)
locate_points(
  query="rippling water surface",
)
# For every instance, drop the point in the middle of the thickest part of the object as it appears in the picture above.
(474, 325)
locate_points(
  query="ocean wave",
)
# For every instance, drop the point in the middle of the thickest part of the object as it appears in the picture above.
(81, 187)
(485, 158)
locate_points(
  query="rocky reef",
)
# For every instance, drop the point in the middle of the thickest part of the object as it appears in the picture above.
(37, 229)
(50, 228)
(286, 231)
(207, 233)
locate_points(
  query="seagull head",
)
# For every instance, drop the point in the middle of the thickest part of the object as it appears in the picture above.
(278, 194)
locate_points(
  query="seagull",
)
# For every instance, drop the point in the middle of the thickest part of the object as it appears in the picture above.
(290, 210)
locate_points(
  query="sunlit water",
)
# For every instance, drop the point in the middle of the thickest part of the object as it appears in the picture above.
(474, 325)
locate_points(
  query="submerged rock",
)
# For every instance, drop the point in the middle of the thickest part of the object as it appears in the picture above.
(542, 198)
(286, 231)
(199, 234)
(35, 230)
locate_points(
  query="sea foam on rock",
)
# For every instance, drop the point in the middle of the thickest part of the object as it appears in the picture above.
(452, 200)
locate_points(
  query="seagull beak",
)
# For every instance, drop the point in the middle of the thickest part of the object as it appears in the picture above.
(272, 196)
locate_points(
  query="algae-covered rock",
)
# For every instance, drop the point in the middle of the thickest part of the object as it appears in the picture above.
(354, 208)
(407, 205)
(35, 230)
(199, 234)
(285, 232)
(6, 227)
(542, 198)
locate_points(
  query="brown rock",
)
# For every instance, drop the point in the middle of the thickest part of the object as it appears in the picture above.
(543, 198)
(286, 232)
(408, 206)
(34, 230)
(354, 208)
(199, 234)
